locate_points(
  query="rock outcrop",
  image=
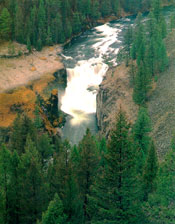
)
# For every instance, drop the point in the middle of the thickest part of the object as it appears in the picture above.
(114, 92)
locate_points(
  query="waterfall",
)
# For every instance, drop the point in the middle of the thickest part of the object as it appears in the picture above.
(80, 95)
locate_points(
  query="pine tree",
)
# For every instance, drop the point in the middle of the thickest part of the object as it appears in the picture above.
(33, 20)
(142, 85)
(45, 148)
(95, 14)
(76, 23)
(160, 208)
(86, 169)
(33, 190)
(5, 24)
(49, 40)
(71, 201)
(138, 37)
(54, 213)
(105, 8)
(115, 6)
(42, 22)
(116, 194)
(150, 172)
(58, 32)
(163, 27)
(141, 131)
(5, 158)
(29, 44)
(172, 22)
(58, 171)
(19, 24)
(128, 39)
(156, 7)
(14, 206)
(38, 120)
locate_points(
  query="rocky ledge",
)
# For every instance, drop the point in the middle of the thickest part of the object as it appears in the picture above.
(114, 92)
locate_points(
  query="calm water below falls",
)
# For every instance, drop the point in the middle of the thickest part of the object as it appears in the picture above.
(86, 60)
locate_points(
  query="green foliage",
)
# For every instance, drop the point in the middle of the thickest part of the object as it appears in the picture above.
(54, 213)
(160, 206)
(29, 44)
(116, 193)
(150, 171)
(47, 22)
(141, 130)
(5, 158)
(141, 85)
(5, 24)
(86, 167)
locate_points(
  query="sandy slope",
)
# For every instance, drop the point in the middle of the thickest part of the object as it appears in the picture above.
(16, 72)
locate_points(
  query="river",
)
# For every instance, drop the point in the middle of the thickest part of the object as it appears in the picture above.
(87, 59)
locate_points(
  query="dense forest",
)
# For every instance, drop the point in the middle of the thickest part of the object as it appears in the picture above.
(146, 53)
(46, 22)
(45, 180)
(119, 180)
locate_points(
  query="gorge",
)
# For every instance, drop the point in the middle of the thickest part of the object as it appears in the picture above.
(87, 59)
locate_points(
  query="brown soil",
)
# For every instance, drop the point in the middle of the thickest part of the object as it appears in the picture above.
(115, 92)
(16, 72)
(34, 71)
(162, 103)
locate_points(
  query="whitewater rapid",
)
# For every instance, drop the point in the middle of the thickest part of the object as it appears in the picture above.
(85, 76)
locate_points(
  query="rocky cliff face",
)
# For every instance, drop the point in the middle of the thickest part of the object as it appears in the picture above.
(114, 92)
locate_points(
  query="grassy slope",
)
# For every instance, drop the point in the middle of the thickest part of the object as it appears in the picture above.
(162, 103)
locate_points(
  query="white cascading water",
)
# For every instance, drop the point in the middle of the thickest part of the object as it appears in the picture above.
(83, 80)
(78, 98)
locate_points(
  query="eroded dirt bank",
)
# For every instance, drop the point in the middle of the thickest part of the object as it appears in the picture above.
(19, 71)
(114, 92)
(23, 78)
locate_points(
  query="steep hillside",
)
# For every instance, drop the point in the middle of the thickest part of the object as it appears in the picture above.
(162, 102)
(115, 91)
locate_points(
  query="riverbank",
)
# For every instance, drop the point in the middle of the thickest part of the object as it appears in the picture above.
(19, 71)
(114, 93)
(25, 77)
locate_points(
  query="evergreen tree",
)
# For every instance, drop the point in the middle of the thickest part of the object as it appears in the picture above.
(5, 158)
(38, 120)
(72, 202)
(142, 85)
(33, 190)
(14, 206)
(33, 20)
(150, 171)
(86, 169)
(156, 7)
(138, 37)
(116, 194)
(45, 148)
(42, 22)
(5, 24)
(76, 23)
(160, 208)
(54, 213)
(172, 22)
(128, 39)
(29, 44)
(58, 35)
(141, 131)
(19, 24)
(105, 8)
(95, 14)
